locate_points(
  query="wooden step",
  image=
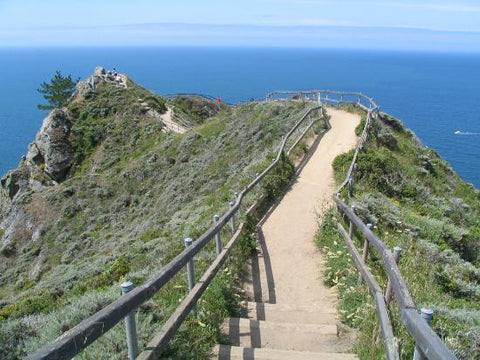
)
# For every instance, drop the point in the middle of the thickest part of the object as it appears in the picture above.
(290, 313)
(226, 352)
(284, 336)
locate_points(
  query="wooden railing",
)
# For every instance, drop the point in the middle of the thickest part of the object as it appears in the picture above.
(428, 344)
(326, 96)
(79, 337)
(425, 338)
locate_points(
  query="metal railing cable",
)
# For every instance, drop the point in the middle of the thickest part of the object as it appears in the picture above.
(86, 332)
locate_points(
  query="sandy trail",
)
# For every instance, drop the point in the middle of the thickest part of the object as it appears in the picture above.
(296, 263)
(170, 124)
(166, 119)
(290, 313)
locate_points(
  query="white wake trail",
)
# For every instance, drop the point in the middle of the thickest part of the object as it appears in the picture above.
(458, 132)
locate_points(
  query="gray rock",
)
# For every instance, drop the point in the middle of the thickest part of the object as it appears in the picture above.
(14, 181)
(52, 150)
(99, 71)
(99, 76)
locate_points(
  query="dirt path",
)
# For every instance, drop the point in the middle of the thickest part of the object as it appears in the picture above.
(170, 124)
(290, 313)
(289, 231)
(166, 119)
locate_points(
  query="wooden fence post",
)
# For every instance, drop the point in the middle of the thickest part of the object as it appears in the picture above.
(190, 266)
(397, 251)
(218, 240)
(235, 194)
(130, 325)
(427, 315)
(350, 229)
(350, 187)
(232, 219)
(365, 252)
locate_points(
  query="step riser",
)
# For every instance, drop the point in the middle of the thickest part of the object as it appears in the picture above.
(225, 352)
(257, 334)
(292, 316)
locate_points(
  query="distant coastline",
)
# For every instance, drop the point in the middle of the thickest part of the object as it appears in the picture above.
(380, 38)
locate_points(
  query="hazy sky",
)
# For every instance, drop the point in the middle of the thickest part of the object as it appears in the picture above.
(403, 24)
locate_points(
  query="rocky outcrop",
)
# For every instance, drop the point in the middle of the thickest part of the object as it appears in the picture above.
(99, 76)
(51, 156)
(52, 150)
(13, 181)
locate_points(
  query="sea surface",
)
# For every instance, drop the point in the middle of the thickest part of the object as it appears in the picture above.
(434, 94)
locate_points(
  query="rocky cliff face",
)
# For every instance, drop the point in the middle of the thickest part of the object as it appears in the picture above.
(52, 151)
(47, 163)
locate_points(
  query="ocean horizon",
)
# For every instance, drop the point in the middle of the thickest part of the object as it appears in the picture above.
(435, 94)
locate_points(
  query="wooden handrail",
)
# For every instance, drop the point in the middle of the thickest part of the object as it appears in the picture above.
(401, 292)
(372, 103)
(425, 338)
(391, 345)
(86, 332)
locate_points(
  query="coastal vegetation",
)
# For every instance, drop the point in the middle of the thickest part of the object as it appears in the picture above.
(416, 201)
(118, 201)
(195, 108)
(121, 210)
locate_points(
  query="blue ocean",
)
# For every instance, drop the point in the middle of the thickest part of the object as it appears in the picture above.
(436, 95)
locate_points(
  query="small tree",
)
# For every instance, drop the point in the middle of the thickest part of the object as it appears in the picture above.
(58, 91)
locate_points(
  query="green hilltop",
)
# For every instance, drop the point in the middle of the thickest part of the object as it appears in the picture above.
(108, 192)
(110, 196)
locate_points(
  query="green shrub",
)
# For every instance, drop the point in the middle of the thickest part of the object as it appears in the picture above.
(380, 169)
(112, 274)
(341, 164)
(275, 183)
(38, 301)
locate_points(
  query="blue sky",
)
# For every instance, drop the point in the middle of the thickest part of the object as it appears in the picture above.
(439, 25)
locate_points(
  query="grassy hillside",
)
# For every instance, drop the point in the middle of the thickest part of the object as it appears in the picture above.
(415, 201)
(133, 194)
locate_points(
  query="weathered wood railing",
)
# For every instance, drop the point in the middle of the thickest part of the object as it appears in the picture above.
(324, 96)
(79, 337)
(428, 344)
(425, 338)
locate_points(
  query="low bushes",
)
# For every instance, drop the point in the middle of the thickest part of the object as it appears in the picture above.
(417, 202)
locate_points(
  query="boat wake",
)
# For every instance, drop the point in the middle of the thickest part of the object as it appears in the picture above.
(458, 132)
